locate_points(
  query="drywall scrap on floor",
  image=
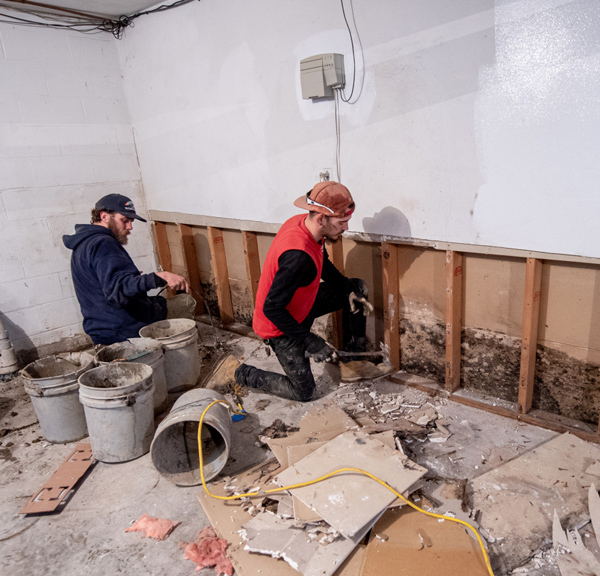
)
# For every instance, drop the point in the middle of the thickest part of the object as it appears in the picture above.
(405, 541)
(320, 424)
(350, 500)
(516, 500)
(318, 548)
(269, 535)
(573, 558)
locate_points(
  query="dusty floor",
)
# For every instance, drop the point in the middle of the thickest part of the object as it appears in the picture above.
(87, 536)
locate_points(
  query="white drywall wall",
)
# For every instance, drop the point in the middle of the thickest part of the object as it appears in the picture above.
(65, 141)
(478, 120)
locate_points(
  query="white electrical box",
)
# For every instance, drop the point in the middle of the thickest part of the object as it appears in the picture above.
(320, 74)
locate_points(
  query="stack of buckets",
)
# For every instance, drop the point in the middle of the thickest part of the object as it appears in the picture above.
(8, 358)
(115, 395)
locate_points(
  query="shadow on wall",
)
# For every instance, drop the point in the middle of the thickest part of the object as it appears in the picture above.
(16, 333)
(389, 221)
(393, 222)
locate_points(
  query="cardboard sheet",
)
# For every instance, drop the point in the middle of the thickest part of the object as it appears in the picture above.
(268, 534)
(321, 423)
(405, 542)
(517, 499)
(227, 518)
(350, 500)
(49, 497)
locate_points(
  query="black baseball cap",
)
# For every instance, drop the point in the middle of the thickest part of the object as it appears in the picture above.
(118, 203)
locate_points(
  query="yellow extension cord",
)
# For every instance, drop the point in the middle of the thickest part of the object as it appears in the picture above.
(310, 482)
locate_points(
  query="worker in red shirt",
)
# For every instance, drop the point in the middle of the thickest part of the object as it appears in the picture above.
(298, 284)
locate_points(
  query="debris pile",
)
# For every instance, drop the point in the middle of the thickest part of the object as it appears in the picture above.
(325, 520)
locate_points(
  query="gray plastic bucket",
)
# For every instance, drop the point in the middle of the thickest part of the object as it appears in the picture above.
(179, 337)
(52, 385)
(174, 449)
(142, 351)
(118, 404)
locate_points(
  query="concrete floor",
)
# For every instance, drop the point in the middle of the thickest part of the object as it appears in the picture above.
(87, 536)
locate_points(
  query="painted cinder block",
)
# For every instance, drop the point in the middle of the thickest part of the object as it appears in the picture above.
(125, 138)
(35, 45)
(116, 168)
(63, 170)
(36, 203)
(30, 292)
(67, 81)
(66, 283)
(52, 337)
(18, 237)
(88, 140)
(17, 141)
(11, 266)
(22, 77)
(94, 52)
(9, 109)
(16, 173)
(51, 110)
(106, 111)
(63, 313)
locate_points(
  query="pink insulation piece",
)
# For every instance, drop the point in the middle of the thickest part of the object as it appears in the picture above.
(157, 528)
(208, 550)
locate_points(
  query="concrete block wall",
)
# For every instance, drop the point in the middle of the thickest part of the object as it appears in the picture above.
(65, 141)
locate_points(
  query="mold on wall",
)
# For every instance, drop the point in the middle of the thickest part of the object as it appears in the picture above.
(567, 369)
(567, 386)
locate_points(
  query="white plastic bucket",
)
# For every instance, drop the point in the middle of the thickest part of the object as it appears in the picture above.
(118, 404)
(174, 450)
(142, 351)
(52, 385)
(179, 337)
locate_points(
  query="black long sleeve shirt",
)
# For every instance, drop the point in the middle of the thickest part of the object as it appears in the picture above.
(297, 269)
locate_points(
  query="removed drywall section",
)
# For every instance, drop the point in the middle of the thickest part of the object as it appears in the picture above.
(517, 500)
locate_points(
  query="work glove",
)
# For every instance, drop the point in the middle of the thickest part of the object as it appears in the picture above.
(358, 297)
(318, 349)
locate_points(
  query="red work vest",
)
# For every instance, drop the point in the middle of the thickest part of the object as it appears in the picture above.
(293, 235)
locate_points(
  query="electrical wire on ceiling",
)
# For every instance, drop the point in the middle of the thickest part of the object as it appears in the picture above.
(87, 24)
(339, 92)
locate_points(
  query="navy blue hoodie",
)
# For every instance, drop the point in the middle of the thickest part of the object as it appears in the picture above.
(110, 289)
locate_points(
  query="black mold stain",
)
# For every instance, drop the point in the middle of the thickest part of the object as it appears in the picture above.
(566, 386)
(490, 364)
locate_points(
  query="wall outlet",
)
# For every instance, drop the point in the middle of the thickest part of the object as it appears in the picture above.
(325, 175)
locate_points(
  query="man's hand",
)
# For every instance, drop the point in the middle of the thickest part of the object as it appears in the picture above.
(358, 295)
(174, 281)
(318, 349)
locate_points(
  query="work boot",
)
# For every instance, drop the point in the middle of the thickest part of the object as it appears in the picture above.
(222, 378)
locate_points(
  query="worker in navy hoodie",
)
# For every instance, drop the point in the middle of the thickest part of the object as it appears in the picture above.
(112, 292)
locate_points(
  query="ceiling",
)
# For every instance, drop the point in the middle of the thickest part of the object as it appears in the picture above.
(111, 8)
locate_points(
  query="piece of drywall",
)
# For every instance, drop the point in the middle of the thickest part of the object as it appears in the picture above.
(477, 121)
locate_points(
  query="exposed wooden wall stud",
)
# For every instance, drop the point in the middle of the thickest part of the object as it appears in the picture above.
(531, 314)
(252, 262)
(336, 255)
(221, 274)
(454, 280)
(391, 301)
(162, 245)
(188, 246)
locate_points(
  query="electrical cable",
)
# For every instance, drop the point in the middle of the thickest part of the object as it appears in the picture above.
(353, 55)
(87, 26)
(338, 137)
(325, 477)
